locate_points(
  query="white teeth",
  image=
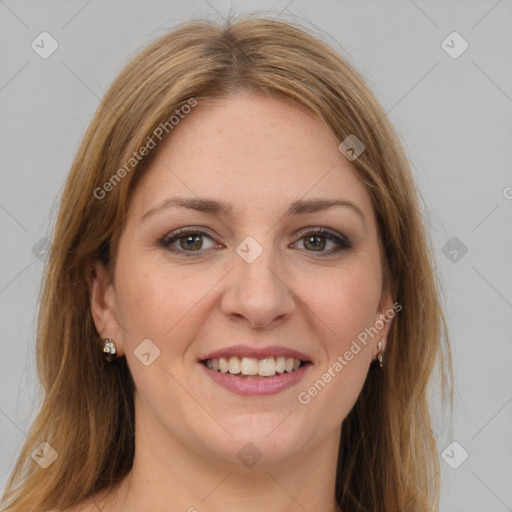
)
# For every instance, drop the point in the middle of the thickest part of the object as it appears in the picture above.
(280, 364)
(249, 366)
(223, 364)
(266, 367)
(234, 365)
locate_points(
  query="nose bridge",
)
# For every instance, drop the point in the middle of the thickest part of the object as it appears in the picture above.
(256, 289)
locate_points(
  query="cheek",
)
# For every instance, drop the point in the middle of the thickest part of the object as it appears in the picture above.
(157, 301)
(345, 301)
(343, 314)
(144, 293)
(142, 303)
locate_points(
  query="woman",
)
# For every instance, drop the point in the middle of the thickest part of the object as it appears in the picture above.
(239, 308)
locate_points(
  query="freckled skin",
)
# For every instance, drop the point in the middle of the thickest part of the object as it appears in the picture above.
(260, 155)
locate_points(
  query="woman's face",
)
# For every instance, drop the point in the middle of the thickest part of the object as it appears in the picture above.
(262, 272)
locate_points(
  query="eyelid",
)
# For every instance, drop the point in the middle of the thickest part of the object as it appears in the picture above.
(327, 232)
(186, 231)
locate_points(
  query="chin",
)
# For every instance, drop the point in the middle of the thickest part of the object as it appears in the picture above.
(273, 437)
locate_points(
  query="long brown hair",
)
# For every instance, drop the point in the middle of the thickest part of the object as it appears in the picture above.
(388, 459)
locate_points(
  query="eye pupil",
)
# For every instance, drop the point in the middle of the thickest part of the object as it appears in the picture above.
(314, 240)
(194, 240)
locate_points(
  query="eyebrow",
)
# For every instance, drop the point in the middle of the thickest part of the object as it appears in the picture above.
(214, 207)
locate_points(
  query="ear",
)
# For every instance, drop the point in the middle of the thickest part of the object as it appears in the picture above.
(386, 311)
(103, 305)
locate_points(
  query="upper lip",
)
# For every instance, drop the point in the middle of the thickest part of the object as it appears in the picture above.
(258, 353)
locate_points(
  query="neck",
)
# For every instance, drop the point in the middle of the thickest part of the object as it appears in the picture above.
(168, 475)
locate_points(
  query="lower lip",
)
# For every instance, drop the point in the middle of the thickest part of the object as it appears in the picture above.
(257, 386)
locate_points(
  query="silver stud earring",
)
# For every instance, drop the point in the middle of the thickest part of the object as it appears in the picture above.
(109, 349)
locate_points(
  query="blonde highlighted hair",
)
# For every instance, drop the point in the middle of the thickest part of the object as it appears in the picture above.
(388, 459)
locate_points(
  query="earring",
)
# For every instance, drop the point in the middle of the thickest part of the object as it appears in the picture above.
(109, 349)
(379, 346)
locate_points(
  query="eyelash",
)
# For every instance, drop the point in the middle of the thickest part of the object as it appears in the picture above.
(342, 241)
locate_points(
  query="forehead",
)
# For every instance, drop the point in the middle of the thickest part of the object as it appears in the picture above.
(254, 152)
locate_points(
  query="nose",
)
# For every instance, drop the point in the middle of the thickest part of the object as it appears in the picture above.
(257, 292)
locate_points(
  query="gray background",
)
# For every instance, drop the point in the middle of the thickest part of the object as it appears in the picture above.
(455, 119)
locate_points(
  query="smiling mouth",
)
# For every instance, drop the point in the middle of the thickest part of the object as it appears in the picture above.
(250, 367)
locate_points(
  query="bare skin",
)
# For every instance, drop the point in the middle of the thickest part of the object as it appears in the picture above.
(260, 155)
